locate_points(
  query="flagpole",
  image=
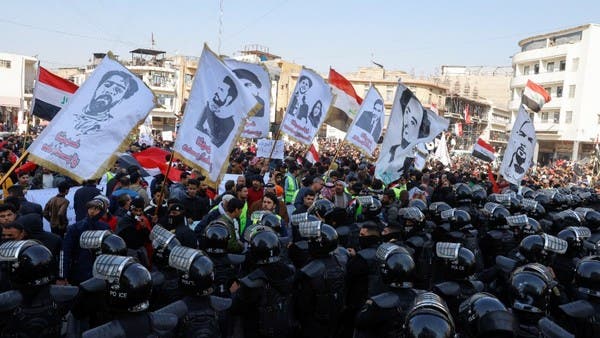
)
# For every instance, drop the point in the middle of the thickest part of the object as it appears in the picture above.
(337, 151)
(14, 166)
(164, 183)
(277, 135)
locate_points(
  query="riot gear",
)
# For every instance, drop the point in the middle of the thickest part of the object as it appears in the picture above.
(483, 315)
(533, 208)
(272, 221)
(462, 192)
(196, 270)
(591, 218)
(479, 195)
(587, 277)
(396, 266)
(321, 208)
(103, 242)
(419, 204)
(458, 263)
(575, 237)
(429, 317)
(215, 238)
(129, 284)
(496, 215)
(436, 209)
(540, 248)
(529, 293)
(371, 207)
(31, 264)
(264, 247)
(457, 218)
(163, 241)
(322, 238)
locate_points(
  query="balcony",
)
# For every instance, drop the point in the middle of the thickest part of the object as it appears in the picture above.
(540, 54)
(541, 78)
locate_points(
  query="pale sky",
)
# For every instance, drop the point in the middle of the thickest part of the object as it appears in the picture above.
(414, 36)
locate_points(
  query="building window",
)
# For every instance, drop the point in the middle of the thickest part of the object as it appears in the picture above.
(4, 63)
(569, 117)
(544, 117)
(365, 90)
(559, 91)
(550, 67)
(429, 100)
(526, 70)
(571, 91)
(536, 68)
(575, 64)
(556, 118)
(562, 65)
(549, 90)
(389, 93)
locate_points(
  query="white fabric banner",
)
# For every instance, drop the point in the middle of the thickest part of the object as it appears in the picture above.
(368, 124)
(421, 154)
(308, 107)
(214, 116)
(256, 79)
(409, 125)
(518, 156)
(42, 196)
(265, 146)
(83, 139)
(441, 153)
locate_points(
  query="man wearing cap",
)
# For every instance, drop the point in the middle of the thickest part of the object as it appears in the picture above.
(176, 222)
(83, 195)
(77, 263)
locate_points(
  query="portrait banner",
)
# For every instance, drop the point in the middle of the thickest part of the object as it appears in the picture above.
(214, 116)
(264, 147)
(85, 137)
(255, 78)
(368, 124)
(308, 107)
(409, 125)
(518, 156)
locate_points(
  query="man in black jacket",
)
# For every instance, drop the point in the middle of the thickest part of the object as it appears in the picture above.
(83, 195)
(34, 229)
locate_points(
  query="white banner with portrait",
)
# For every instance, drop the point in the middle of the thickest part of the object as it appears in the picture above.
(214, 117)
(256, 79)
(409, 125)
(368, 124)
(86, 136)
(518, 156)
(308, 107)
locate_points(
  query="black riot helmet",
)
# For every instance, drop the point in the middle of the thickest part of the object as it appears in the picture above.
(322, 238)
(31, 264)
(479, 195)
(129, 284)
(396, 265)
(264, 247)
(103, 242)
(196, 270)
(532, 208)
(371, 210)
(575, 238)
(591, 218)
(458, 262)
(419, 204)
(163, 241)
(527, 192)
(483, 315)
(496, 215)
(321, 208)
(545, 200)
(435, 210)
(412, 216)
(272, 221)
(428, 317)
(529, 291)
(215, 237)
(462, 193)
(541, 248)
(587, 277)
(457, 218)
(509, 200)
(523, 226)
(569, 218)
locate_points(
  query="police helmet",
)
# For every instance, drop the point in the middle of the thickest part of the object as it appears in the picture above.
(264, 247)
(31, 263)
(483, 315)
(429, 317)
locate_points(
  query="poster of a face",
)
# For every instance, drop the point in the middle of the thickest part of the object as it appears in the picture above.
(215, 110)
(307, 108)
(254, 78)
(368, 125)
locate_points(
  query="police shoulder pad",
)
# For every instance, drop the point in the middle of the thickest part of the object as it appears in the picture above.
(178, 308)
(448, 289)
(367, 254)
(236, 259)
(314, 268)
(255, 279)
(578, 309)
(63, 294)
(111, 330)
(386, 300)
(163, 323)
(10, 300)
(158, 279)
(220, 303)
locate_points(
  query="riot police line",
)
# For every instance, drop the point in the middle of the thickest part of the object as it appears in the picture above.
(516, 264)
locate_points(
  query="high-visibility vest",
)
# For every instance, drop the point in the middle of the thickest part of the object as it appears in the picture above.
(243, 218)
(291, 188)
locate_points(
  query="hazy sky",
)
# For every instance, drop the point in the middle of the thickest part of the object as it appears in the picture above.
(416, 36)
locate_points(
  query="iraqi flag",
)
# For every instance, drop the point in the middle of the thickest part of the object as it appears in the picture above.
(51, 94)
(534, 96)
(484, 151)
(312, 155)
(346, 104)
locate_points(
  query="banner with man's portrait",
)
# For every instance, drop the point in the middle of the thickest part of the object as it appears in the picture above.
(214, 116)
(255, 78)
(308, 107)
(368, 124)
(85, 137)
(518, 156)
(410, 124)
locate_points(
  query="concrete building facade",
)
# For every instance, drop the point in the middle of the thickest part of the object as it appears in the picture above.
(17, 77)
(566, 63)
